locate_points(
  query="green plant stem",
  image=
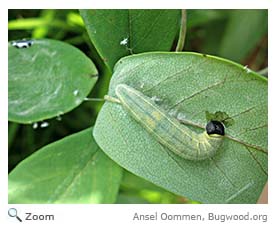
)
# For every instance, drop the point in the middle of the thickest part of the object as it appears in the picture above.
(182, 33)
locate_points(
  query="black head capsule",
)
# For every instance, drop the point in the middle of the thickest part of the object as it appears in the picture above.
(22, 44)
(215, 127)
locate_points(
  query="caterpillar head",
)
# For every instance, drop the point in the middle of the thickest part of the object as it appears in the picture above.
(215, 128)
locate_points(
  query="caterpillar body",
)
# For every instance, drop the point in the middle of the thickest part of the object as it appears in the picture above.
(167, 130)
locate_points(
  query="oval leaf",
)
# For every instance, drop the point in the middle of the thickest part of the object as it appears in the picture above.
(47, 79)
(187, 85)
(72, 170)
(117, 33)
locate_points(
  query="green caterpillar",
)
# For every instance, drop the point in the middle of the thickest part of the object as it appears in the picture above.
(167, 130)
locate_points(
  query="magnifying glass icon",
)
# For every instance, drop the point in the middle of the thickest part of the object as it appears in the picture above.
(13, 213)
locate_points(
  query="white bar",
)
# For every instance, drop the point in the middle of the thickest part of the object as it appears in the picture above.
(138, 4)
(123, 214)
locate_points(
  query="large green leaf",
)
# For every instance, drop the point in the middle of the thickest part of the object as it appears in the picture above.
(47, 79)
(187, 85)
(72, 170)
(117, 33)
